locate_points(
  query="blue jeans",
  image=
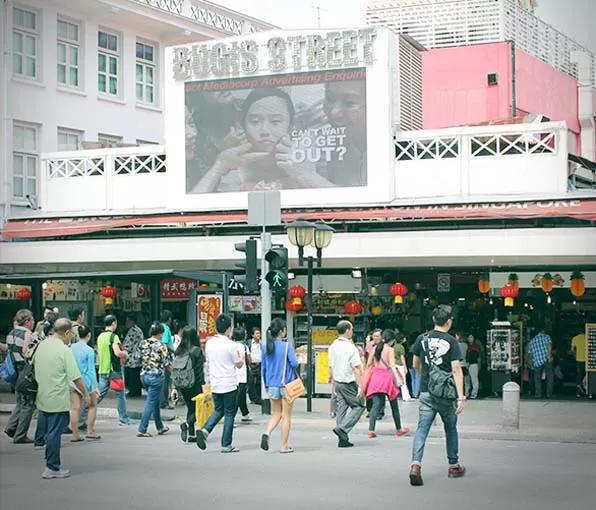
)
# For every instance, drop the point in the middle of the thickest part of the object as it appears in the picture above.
(154, 385)
(415, 377)
(429, 407)
(225, 407)
(54, 424)
(104, 386)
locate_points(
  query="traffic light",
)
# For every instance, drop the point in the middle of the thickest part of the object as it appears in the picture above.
(278, 269)
(250, 278)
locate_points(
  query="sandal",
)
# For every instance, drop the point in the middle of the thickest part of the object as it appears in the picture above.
(93, 437)
(265, 442)
(77, 439)
(289, 450)
(163, 431)
(143, 434)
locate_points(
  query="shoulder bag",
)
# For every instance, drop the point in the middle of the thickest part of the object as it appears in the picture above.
(397, 379)
(116, 377)
(441, 384)
(294, 389)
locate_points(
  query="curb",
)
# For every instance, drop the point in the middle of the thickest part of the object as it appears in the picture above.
(102, 412)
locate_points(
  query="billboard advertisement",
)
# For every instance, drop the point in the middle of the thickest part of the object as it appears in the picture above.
(309, 113)
(276, 132)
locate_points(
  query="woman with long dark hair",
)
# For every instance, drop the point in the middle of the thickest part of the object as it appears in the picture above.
(190, 350)
(279, 355)
(382, 383)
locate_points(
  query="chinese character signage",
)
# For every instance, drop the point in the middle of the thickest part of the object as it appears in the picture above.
(209, 307)
(177, 288)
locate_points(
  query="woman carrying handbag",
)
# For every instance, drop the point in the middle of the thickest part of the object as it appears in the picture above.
(382, 378)
(278, 365)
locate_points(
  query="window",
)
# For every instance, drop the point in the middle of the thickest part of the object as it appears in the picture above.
(24, 43)
(145, 72)
(24, 160)
(109, 140)
(69, 139)
(69, 36)
(107, 63)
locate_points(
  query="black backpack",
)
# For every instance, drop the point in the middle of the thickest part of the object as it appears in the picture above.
(183, 372)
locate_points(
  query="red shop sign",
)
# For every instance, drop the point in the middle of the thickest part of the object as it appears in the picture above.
(177, 288)
(208, 309)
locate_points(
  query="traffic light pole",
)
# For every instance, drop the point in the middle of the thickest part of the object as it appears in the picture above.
(265, 312)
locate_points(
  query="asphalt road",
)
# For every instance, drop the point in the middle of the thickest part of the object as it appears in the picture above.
(122, 471)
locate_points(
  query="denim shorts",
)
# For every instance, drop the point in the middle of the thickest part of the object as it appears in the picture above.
(276, 393)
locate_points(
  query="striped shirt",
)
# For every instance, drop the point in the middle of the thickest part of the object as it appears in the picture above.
(15, 341)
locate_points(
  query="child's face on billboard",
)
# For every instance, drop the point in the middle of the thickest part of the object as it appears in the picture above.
(267, 121)
(345, 105)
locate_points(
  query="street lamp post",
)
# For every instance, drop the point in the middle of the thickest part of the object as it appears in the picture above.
(302, 233)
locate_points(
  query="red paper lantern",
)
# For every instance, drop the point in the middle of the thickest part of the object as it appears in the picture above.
(509, 292)
(294, 304)
(297, 291)
(24, 294)
(399, 290)
(109, 293)
(353, 307)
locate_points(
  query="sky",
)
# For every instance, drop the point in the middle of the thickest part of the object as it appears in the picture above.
(576, 19)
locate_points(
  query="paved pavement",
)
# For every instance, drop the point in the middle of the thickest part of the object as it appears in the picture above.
(122, 471)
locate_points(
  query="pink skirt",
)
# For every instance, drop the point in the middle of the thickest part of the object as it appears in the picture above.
(381, 381)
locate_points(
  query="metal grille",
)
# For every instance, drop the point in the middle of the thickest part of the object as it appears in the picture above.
(411, 108)
(217, 20)
(140, 164)
(76, 167)
(427, 148)
(446, 23)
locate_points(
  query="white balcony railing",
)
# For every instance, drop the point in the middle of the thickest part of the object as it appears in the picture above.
(211, 15)
(459, 164)
(446, 23)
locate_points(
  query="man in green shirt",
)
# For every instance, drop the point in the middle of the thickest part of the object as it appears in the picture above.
(110, 357)
(55, 368)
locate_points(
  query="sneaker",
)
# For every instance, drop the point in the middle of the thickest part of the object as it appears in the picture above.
(10, 433)
(184, 432)
(128, 421)
(201, 439)
(402, 432)
(456, 471)
(372, 434)
(229, 449)
(246, 418)
(344, 443)
(25, 440)
(416, 476)
(49, 474)
(39, 445)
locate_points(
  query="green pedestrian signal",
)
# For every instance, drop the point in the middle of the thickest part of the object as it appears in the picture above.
(277, 277)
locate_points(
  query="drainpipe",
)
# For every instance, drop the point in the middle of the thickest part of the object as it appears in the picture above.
(586, 104)
(513, 80)
(5, 121)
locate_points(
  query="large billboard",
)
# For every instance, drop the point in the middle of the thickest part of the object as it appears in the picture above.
(309, 113)
(276, 132)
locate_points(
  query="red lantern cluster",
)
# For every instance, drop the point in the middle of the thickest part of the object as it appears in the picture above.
(399, 290)
(297, 291)
(294, 304)
(109, 293)
(509, 292)
(24, 294)
(353, 307)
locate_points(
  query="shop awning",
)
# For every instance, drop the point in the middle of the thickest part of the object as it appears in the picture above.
(36, 228)
(141, 275)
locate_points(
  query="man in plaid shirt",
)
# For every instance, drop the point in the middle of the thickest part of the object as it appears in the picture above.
(541, 353)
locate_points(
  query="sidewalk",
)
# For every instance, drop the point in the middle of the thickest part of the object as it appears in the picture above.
(542, 421)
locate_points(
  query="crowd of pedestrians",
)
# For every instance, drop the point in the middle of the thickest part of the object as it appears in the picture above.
(71, 379)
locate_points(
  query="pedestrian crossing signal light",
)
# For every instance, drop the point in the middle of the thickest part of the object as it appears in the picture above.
(277, 277)
(250, 278)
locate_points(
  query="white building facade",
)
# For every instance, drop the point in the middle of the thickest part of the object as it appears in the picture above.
(79, 73)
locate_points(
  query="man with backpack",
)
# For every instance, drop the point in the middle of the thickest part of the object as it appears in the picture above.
(110, 357)
(438, 356)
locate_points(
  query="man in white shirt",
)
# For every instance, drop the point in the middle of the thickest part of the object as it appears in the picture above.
(254, 383)
(223, 360)
(345, 372)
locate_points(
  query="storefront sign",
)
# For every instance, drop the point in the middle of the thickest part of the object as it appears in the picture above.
(584, 209)
(208, 309)
(330, 50)
(177, 288)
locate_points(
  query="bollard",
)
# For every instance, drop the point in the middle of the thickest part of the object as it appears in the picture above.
(511, 408)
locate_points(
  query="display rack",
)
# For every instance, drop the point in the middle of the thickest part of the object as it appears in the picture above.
(590, 347)
(504, 344)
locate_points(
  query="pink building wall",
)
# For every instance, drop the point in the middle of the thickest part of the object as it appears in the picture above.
(456, 90)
